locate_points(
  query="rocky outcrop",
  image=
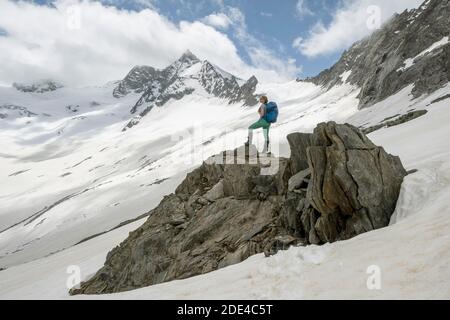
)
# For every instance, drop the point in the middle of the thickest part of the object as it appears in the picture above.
(336, 185)
(411, 48)
(396, 120)
(14, 112)
(354, 184)
(41, 86)
(214, 219)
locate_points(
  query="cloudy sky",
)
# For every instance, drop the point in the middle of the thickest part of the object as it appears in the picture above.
(81, 42)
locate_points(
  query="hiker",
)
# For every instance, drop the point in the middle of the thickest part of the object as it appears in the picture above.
(268, 112)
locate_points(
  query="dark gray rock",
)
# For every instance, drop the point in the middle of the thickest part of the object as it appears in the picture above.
(299, 180)
(444, 97)
(299, 142)
(354, 184)
(231, 208)
(14, 111)
(246, 93)
(400, 119)
(41, 86)
(136, 81)
(239, 181)
(217, 192)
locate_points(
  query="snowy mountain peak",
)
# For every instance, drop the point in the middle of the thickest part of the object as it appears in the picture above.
(189, 56)
(187, 60)
(40, 86)
(185, 76)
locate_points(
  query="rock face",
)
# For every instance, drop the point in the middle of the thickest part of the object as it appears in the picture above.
(136, 81)
(397, 120)
(336, 185)
(411, 48)
(354, 184)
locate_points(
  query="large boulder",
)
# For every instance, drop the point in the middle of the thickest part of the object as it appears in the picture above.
(354, 184)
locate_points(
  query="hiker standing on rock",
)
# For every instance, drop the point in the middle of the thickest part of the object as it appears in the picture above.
(268, 112)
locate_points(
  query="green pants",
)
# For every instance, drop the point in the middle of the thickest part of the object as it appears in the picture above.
(261, 123)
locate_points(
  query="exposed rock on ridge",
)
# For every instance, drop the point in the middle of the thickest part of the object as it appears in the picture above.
(409, 49)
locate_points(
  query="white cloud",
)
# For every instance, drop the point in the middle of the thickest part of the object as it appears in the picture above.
(349, 24)
(217, 20)
(260, 56)
(137, 4)
(90, 43)
(302, 9)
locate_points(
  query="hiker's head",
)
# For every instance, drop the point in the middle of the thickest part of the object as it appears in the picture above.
(264, 100)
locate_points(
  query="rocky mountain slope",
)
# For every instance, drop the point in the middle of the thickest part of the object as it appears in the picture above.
(412, 48)
(336, 185)
(182, 78)
(38, 86)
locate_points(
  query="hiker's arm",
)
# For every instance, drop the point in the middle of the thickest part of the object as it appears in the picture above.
(262, 111)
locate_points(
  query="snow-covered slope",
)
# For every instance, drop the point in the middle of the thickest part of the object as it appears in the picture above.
(412, 254)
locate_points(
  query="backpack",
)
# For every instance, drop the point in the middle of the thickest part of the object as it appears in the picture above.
(271, 112)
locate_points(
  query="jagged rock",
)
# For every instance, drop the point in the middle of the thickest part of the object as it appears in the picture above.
(265, 186)
(299, 142)
(354, 184)
(395, 56)
(216, 192)
(273, 180)
(300, 179)
(223, 233)
(223, 213)
(238, 180)
(136, 81)
(246, 93)
(280, 243)
(213, 220)
(207, 176)
(290, 216)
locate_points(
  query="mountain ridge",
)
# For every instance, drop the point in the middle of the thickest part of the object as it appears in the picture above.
(377, 64)
(185, 76)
